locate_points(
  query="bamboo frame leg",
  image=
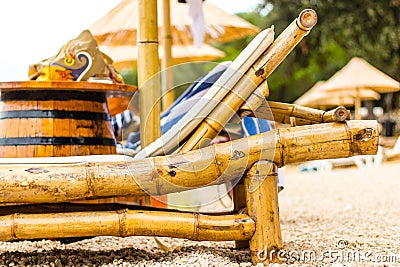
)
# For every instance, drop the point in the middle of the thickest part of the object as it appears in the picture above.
(148, 67)
(239, 202)
(124, 223)
(166, 62)
(148, 79)
(262, 203)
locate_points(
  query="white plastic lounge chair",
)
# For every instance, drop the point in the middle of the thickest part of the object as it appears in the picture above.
(391, 153)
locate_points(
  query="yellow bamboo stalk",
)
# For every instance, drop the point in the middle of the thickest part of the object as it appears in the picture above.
(217, 164)
(293, 110)
(148, 67)
(7, 209)
(261, 187)
(256, 104)
(285, 43)
(294, 114)
(239, 202)
(298, 115)
(124, 223)
(280, 48)
(167, 75)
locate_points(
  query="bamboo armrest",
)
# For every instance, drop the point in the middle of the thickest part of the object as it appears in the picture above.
(293, 114)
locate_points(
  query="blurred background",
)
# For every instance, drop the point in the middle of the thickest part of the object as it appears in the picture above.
(366, 29)
(346, 29)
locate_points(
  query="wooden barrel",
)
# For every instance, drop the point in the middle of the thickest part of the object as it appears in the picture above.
(54, 121)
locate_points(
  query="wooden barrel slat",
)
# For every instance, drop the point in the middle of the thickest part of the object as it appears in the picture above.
(9, 152)
(78, 105)
(26, 127)
(62, 150)
(15, 127)
(43, 105)
(12, 129)
(44, 127)
(62, 127)
(84, 127)
(3, 129)
(25, 150)
(18, 105)
(47, 123)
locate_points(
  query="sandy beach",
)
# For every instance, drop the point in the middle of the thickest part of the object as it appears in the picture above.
(343, 211)
(344, 217)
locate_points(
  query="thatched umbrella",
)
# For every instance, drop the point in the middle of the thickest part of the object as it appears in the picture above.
(119, 26)
(125, 56)
(359, 74)
(318, 97)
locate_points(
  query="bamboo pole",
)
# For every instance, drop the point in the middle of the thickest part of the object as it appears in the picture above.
(280, 48)
(217, 164)
(357, 105)
(299, 115)
(7, 209)
(256, 104)
(167, 75)
(296, 115)
(338, 114)
(261, 185)
(239, 203)
(124, 223)
(148, 67)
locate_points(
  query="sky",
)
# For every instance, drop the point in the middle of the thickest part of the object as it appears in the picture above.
(34, 30)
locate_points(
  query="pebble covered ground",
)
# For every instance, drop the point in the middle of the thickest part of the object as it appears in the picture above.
(344, 217)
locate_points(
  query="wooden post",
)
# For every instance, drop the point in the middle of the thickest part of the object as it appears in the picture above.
(167, 74)
(239, 203)
(357, 105)
(148, 66)
(148, 78)
(261, 185)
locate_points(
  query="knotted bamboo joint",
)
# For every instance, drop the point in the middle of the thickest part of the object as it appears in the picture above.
(124, 223)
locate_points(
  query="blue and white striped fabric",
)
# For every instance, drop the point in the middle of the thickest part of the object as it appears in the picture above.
(253, 126)
(179, 108)
(120, 121)
(201, 84)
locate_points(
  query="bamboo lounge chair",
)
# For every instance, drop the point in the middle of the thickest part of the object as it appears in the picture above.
(50, 184)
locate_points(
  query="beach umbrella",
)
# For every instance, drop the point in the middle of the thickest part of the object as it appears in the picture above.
(318, 97)
(125, 56)
(307, 98)
(358, 74)
(119, 25)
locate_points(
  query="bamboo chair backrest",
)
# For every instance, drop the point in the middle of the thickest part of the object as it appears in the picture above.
(171, 140)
